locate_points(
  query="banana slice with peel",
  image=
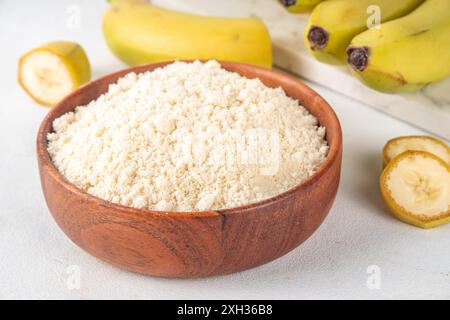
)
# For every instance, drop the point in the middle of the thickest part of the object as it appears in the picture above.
(416, 187)
(49, 72)
(396, 146)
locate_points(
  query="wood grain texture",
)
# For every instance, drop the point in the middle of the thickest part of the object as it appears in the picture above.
(187, 244)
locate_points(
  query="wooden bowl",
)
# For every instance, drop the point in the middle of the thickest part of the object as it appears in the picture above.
(193, 244)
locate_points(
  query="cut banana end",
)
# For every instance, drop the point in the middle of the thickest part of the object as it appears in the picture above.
(50, 72)
(416, 187)
(399, 145)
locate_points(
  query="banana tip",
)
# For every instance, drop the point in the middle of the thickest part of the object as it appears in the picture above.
(288, 3)
(358, 57)
(318, 37)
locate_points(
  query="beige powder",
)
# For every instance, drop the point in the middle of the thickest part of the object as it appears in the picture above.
(187, 137)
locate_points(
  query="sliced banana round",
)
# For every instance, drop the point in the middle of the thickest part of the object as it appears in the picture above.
(416, 187)
(49, 72)
(396, 146)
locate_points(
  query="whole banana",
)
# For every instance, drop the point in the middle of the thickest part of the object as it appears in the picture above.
(334, 23)
(139, 32)
(405, 54)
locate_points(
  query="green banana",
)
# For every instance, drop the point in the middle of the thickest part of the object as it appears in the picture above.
(139, 32)
(299, 6)
(334, 23)
(405, 54)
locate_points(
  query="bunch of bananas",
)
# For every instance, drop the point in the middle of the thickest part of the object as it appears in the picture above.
(297, 6)
(409, 49)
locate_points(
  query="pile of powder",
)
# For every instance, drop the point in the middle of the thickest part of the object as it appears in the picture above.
(187, 137)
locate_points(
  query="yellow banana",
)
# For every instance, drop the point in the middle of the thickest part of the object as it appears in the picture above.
(299, 6)
(405, 54)
(334, 23)
(139, 32)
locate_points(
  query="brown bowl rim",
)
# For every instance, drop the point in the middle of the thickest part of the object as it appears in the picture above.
(47, 163)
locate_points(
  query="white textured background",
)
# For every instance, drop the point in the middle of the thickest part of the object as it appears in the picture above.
(35, 256)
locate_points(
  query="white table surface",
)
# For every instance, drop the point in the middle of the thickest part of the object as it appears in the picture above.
(37, 260)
